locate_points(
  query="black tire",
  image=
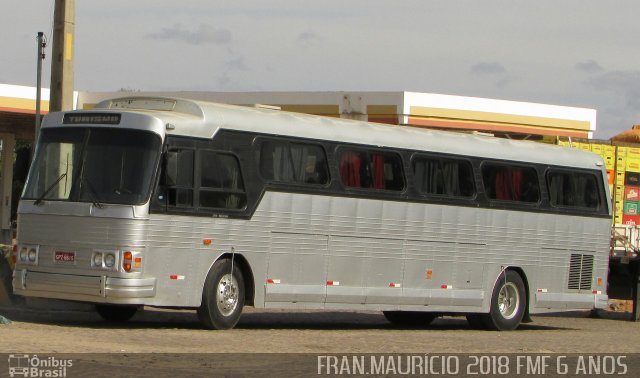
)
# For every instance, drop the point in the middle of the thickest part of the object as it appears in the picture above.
(508, 303)
(222, 296)
(116, 314)
(413, 318)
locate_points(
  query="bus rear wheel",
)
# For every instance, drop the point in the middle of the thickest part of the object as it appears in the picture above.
(222, 296)
(414, 318)
(508, 303)
(116, 314)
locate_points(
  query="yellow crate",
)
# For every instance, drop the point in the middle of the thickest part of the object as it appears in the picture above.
(633, 152)
(618, 218)
(632, 164)
(609, 150)
(618, 209)
(620, 178)
(621, 163)
(585, 146)
(622, 151)
(597, 148)
(609, 162)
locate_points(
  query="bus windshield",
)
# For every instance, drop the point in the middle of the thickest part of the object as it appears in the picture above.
(95, 165)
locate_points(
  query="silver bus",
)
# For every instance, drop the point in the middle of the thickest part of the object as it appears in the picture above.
(184, 204)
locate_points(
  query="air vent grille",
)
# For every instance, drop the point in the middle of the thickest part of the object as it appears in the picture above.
(580, 272)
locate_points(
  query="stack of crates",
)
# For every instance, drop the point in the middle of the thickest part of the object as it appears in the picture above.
(627, 193)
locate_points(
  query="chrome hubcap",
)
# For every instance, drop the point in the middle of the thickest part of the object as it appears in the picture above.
(227, 294)
(508, 300)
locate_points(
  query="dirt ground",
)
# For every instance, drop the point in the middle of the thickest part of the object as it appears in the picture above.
(269, 343)
(276, 331)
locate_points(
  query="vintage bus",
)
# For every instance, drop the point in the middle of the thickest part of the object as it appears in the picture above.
(176, 203)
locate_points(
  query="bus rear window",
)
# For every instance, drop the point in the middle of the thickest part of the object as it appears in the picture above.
(573, 189)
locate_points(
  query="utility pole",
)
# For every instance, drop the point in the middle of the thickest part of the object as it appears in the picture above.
(64, 18)
(41, 46)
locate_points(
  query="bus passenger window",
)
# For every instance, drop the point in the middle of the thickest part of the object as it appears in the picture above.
(511, 183)
(179, 178)
(221, 185)
(371, 170)
(444, 176)
(573, 189)
(287, 162)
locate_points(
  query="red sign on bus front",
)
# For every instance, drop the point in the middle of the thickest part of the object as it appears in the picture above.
(65, 257)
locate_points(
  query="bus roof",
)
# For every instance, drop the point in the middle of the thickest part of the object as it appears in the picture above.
(204, 119)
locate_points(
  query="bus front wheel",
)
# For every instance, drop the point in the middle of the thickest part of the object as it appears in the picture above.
(508, 303)
(222, 296)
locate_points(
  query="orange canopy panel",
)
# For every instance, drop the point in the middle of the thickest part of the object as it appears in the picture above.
(631, 136)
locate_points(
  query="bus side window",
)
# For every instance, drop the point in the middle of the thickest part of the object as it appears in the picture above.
(179, 178)
(299, 163)
(371, 170)
(221, 185)
(511, 183)
(444, 176)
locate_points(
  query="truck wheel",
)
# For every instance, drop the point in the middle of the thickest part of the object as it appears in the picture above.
(222, 296)
(508, 303)
(116, 314)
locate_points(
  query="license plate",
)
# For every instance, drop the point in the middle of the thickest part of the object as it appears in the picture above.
(65, 257)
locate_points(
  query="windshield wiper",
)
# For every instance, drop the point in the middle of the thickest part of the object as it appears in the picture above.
(92, 193)
(49, 189)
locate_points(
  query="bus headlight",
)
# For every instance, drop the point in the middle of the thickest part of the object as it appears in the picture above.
(33, 255)
(97, 259)
(104, 259)
(110, 260)
(28, 254)
(23, 254)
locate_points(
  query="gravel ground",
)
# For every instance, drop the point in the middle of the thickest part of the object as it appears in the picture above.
(275, 331)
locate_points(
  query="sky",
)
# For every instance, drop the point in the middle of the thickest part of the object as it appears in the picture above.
(582, 53)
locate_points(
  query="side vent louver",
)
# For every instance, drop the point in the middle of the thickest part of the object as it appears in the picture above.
(580, 272)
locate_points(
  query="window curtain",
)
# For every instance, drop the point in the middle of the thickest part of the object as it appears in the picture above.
(428, 176)
(377, 161)
(282, 169)
(580, 186)
(556, 189)
(509, 184)
(451, 178)
(233, 201)
(350, 163)
(299, 158)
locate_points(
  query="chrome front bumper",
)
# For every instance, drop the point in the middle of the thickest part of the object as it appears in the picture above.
(100, 289)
